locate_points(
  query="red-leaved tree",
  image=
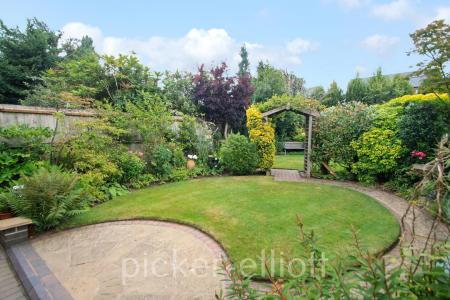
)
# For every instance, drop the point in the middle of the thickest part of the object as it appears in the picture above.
(223, 99)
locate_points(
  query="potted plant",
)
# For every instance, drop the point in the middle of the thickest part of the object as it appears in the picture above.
(191, 161)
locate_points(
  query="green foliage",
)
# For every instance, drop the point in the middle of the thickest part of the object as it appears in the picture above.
(433, 42)
(421, 126)
(114, 190)
(263, 136)
(356, 90)
(297, 102)
(143, 181)
(238, 155)
(81, 75)
(295, 85)
(268, 82)
(381, 88)
(4, 207)
(24, 55)
(127, 80)
(316, 93)
(181, 174)
(244, 64)
(289, 126)
(21, 150)
(187, 135)
(378, 152)
(178, 156)
(333, 96)
(160, 162)
(336, 128)
(179, 92)
(48, 197)
(131, 166)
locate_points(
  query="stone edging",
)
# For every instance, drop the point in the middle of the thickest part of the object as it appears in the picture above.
(37, 279)
(198, 233)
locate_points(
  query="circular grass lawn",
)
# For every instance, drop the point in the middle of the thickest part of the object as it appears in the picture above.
(251, 214)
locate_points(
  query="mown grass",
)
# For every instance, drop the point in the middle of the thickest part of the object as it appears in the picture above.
(289, 161)
(254, 213)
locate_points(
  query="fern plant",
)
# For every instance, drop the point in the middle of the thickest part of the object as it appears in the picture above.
(47, 197)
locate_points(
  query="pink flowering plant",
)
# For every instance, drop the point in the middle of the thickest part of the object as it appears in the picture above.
(419, 154)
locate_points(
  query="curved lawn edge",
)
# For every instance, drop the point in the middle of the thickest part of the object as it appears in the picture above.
(211, 233)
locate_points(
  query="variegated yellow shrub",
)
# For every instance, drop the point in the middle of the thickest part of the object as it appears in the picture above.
(263, 135)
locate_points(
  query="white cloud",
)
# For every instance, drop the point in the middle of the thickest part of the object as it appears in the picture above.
(350, 3)
(443, 13)
(198, 46)
(300, 46)
(347, 4)
(395, 10)
(381, 45)
(361, 70)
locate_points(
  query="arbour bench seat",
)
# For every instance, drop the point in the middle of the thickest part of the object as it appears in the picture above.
(293, 146)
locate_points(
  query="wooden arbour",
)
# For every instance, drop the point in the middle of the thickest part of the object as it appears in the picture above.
(310, 115)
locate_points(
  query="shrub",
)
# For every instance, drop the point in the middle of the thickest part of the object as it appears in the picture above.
(144, 180)
(422, 126)
(263, 136)
(336, 128)
(179, 175)
(238, 155)
(130, 166)
(298, 102)
(48, 197)
(178, 157)
(187, 135)
(161, 162)
(21, 149)
(378, 152)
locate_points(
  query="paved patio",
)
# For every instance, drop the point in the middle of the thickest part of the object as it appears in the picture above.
(133, 260)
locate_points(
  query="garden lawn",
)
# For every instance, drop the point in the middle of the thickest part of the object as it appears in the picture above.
(251, 214)
(289, 161)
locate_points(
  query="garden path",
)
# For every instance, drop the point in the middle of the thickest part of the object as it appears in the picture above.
(421, 219)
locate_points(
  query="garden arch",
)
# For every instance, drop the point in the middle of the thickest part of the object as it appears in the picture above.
(310, 115)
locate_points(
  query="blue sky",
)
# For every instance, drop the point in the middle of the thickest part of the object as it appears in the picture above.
(320, 41)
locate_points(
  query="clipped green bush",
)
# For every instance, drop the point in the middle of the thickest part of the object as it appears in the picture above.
(378, 152)
(48, 197)
(238, 155)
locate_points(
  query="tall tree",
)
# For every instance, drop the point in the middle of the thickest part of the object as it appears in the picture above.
(179, 91)
(382, 88)
(356, 90)
(244, 64)
(316, 93)
(295, 85)
(268, 82)
(23, 58)
(221, 98)
(433, 42)
(126, 78)
(334, 95)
